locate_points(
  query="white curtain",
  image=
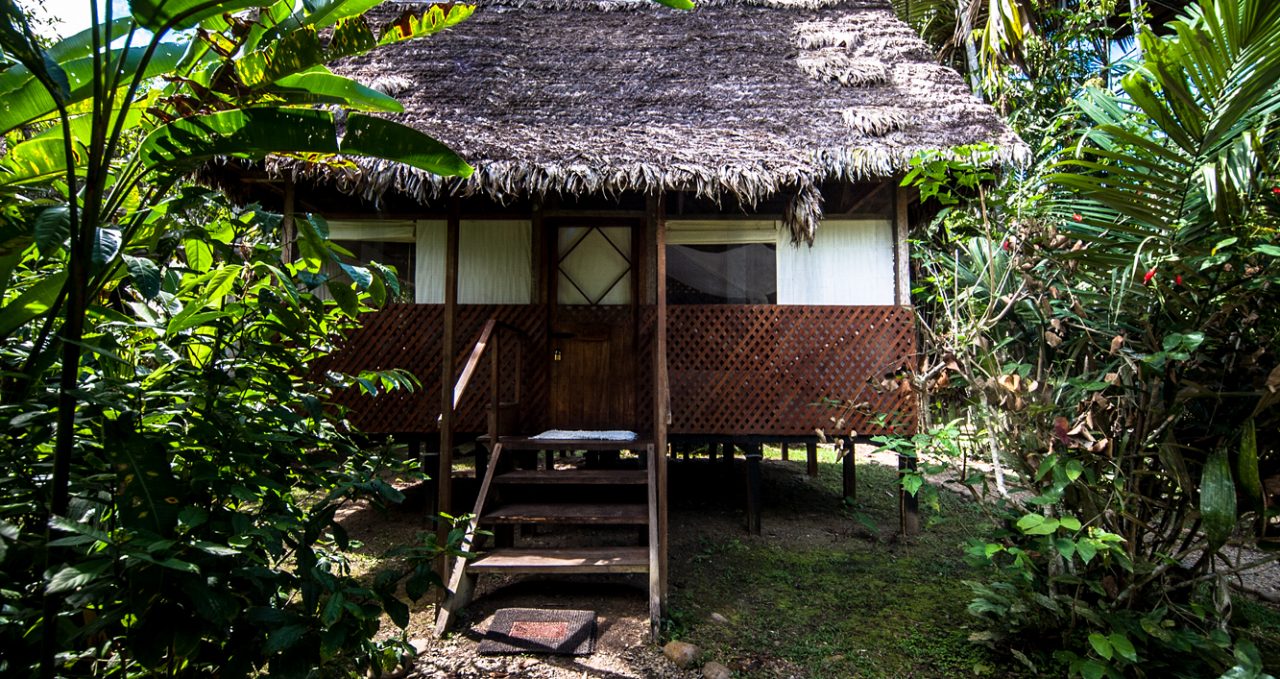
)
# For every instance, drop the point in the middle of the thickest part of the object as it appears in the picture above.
(850, 263)
(495, 262)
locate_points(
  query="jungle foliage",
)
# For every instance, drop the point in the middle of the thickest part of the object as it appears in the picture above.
(1100, 326)
(171, 468)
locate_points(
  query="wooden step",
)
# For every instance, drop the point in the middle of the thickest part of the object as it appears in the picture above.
(526, 443)
(569, 560)
(580, 477)
(616, 514)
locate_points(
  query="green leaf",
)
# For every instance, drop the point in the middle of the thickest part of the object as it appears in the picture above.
(157, 15)
(1092, 669)
(676, 4)
(145, 275)
(1048, 527)
(1069, 522)
(411, 25)
(32, 303)
(199, 254)
(52, 228)
(327, 88)
(1087, 550)
(1074, 469)
(19, 42)
(1247, 467)
(73, 577)
(332, 610)
(106, 244)
(284, 638)
(1217, 499)
(1101, 645)
(381, 138)
(1065, 546)
(258, 131)
(148, 492)
(1123, 646)
(1029, 521)
(32, 101)
(345, 297)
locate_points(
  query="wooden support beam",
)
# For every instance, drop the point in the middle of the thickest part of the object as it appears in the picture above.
(444, 473)
(754, 491)
(288, 228)
(901, 256)
(849, 472)
(461, 586)
(655, 542)
(786, 454)
(908, 504)
(811, 448)
(661, 388)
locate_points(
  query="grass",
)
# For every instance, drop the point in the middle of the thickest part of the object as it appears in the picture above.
(857, 604)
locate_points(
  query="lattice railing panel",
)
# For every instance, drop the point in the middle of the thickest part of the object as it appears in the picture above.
(757, 369)
(409, 336)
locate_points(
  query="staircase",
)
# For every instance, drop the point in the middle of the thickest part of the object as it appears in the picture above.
(569, 494)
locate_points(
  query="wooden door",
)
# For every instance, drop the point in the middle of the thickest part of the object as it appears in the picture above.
(592, 329)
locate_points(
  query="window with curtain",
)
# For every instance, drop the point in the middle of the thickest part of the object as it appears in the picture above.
(722, 262)
(387, 242)
(495, 262)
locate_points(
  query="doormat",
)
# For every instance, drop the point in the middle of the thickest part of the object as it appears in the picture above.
(537, 630)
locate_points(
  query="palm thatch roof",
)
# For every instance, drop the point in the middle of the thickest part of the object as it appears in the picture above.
(742, 98)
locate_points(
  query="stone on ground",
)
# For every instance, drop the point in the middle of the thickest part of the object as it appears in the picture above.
(682, 654)
(714, 670)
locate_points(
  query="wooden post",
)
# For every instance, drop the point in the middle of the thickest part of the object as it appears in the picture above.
(754, 454)
(786, 454)
(288, 228)
(849, 472)
(811, 448)
(901, 257)
(661, 402)
(711, 451)
(444, 475)
(908, 504)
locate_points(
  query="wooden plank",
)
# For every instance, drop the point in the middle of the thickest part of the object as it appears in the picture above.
(525, 443)
(786, 453)
(654, 552)
(595, 514)
(655, 206)
(901, 256)
(754, 491)
(849, 472)
(811, 450)
(908, 504)
(567, 561)
(458, 592)
(582, 477)
(444, 475)
(473, 361)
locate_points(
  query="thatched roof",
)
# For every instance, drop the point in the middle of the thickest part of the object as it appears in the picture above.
(744, 98)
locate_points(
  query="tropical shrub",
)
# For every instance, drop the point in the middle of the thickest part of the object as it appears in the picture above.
(172, 472)
(1107, 324)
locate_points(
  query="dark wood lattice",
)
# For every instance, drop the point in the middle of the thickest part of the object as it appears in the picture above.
(761, 369)
(409, 336)
(733, 369)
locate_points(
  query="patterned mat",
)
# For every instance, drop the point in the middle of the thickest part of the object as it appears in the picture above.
(536, 630)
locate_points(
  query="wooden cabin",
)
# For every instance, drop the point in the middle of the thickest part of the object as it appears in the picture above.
(682, 225)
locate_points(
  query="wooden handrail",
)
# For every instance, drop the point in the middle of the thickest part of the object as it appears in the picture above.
(477, 352)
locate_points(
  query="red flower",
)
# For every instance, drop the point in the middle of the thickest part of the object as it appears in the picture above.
(1078, 217)
(1151, 273)
(1007, 246)
(1275, 190)
(1177, 280)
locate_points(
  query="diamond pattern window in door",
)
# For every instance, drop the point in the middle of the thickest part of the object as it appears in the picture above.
(595, 266)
